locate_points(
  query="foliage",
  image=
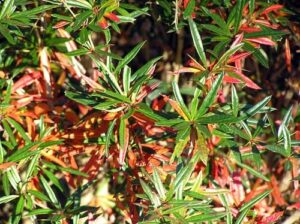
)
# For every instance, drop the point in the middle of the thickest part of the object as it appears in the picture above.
(90, 136)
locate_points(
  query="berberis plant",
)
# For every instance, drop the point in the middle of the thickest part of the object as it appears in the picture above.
(147, 112)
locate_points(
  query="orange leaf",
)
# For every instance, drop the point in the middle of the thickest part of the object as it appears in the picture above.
(288, 57)
(272, 9)
(4, 166)
(112, 16)
(103, 23)
(177, 107)
(276, 192)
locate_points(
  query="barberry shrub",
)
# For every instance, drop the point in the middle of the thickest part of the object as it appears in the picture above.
(94, 131)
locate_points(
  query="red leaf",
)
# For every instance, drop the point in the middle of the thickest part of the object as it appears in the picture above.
(112, 17)
(272, 9)
(238, 57)
(230, 79)
(262, 40)
(296, 206)
(272, 218)
(26, 80)
(238, 39)
(247, 81)
(158, 104)
(248, 29)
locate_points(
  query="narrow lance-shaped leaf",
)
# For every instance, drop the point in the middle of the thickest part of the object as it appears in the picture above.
(287, 140)
(123, 139)
(235, 101)
(238, 15)
(128, 58)
(209, 99)
(256, 108)
(158, 184)
(252, 171)
(6, 8)
(151, 195)
(197, 42)
(182, 139)
(202, 147)
(179, 99)
(6, 199)
(285, 121)
(254, 200)
(108, 136)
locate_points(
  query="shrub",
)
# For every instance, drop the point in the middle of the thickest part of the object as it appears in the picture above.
(95, 132)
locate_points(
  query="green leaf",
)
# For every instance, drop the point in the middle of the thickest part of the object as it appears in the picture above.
(144, 70)
(128, 58)
(285, 121)
(197, 42)
(258, 53)
(20, 205)
(184, 174)
(277, 149)
(238, 16)
(24, 152)
(209, 99)
(159, 185)
(218, 119)
(206, 217)
(217, 19)
(195, 103)
(227, 54)
(287, 140)
(179, 99)
(256, 108)
(41, 211)
(187, 13)
(216, 30)
(39, 195)
(254, 200)
(112, 95)
(6, 8)
(241, 216)
(78, 52)
(126, 79)
(109, 135)
(235, 101)
(83, 4)
(110, 77)
(10, 133)
(152, 196)
(264, 33)
(182, 139)
(33, 12)
(6, 199)
(53, 179)
(32, 167)
(251, 6)
(202, 148)
(20, 129)
(252, 171)
(49, 191)
(6, 33)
